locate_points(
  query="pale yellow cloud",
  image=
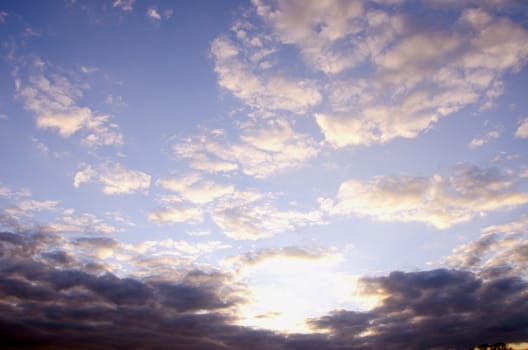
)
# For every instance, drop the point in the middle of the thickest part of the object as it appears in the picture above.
(438, 201)
(522, 130)
(268, 93)
(266, 148)
(115, 178)
(195, 189)
(54, 104)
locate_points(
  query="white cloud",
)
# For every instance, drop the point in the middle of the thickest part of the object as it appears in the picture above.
(437, 201)
(196, 190)
(522, 130)
(54, 104)
(84, 223)
(125, 5)
(500, 249)
(115, 178)
(3, 117)
(410, 78)
(87, 70)
(250, 217)
(153, 13)
(265, 149)
(263, 92)
(175, 215)
(29, 207)
(477, 142)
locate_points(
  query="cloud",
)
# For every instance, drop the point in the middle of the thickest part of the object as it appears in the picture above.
(53, 101)
(125, 5)
(266, 148)
(477, 142)
(3, 16)
(115, 178)
(30, 206)
(246, 216)
(196, 190)
(87, 70)
(438, 201)
(275, 92)
(501, 250)
(410, 75)
(522, 130)
(82, 223)
(174, 215)
(197, 309)
(153, 13)
(420, 308)
(286, 253)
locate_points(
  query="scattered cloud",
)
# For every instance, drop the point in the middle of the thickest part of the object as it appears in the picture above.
(53, 101)
(115, 178)
(412, 77)
(276, 92)
(125, 5)
(153, 13)
(522, 130)
(196, 190)
(88, 70)
(478, 142)
(501, 250)
(265, 149)
(438, 201)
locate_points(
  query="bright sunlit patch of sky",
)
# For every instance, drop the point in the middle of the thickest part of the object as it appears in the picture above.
(297, 146)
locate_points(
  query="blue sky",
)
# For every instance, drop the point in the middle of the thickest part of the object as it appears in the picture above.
(304, 151)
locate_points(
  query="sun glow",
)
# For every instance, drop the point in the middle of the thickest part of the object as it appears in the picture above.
(287, 292)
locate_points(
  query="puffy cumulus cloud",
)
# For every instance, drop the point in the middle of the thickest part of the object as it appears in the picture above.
(236, 73)
(440, 201)
(53, 99)
(265, 148)
(115, 178)
(501, 250)
(420, 308)
(522, 130)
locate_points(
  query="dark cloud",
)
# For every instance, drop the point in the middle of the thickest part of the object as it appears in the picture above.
(444, 309)
(50, 301)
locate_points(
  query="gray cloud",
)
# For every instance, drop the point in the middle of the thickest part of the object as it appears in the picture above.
(51, 300)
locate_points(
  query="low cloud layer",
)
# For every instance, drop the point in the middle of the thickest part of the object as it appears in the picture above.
(50, 298)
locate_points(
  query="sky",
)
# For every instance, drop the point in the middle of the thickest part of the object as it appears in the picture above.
(344, 174)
